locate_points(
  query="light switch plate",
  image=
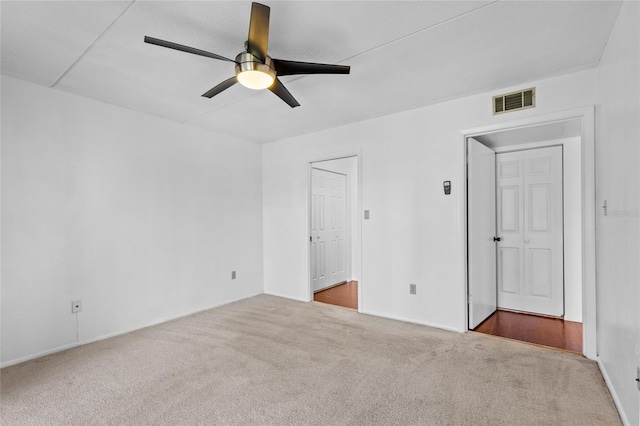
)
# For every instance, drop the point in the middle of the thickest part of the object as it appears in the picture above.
(366, 214)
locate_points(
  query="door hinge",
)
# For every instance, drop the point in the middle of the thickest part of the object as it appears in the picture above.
(468, 298)
(311, 239)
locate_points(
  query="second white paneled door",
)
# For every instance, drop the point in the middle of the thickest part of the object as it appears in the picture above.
(481, 189)
(328, 228)
(530, 228)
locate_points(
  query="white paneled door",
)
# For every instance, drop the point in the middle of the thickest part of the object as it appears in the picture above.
(328, 228)
(481, 190)
(530, 227)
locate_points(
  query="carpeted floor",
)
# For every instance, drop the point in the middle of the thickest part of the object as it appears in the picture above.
(267, 360)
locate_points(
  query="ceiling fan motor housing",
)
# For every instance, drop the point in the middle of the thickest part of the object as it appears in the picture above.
(246, 62)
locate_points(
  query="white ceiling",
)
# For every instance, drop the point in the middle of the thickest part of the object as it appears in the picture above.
(402, 54)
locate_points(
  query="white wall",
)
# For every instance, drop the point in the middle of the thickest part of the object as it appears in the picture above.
(415, 233)
(618, 234)
(349, 167)
(141, 218)
(572, 215)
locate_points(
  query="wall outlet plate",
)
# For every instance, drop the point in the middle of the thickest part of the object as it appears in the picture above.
(233, 275)
(76, 306)
(412, 289)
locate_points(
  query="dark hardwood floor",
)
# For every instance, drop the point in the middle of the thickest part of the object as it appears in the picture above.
(552, 332)
(545, 331)
(342, 295)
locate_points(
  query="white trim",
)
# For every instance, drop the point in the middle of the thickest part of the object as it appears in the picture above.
(589, 313)
(336, 156)
(299, 299)
(613, 393)
(587, 116)
(328, 171)
(412, 321)
(531, 121)
(116, 333)
(41, 354)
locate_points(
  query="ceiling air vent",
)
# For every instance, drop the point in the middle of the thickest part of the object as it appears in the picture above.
(514, 101)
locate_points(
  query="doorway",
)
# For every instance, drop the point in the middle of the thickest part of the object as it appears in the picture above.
(333, 231)
(514, 265)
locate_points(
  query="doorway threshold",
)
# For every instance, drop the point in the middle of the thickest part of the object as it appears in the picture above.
(345, 295)
(553, 333)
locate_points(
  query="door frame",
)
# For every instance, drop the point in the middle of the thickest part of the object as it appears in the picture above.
(351, 226)
(587, 144)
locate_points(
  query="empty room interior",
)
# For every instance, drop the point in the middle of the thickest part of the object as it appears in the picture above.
(320, 212)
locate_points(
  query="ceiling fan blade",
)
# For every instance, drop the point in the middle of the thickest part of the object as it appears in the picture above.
(259, 31)
(284, 67)
(176, 46)
(278, 88)
(220, 87)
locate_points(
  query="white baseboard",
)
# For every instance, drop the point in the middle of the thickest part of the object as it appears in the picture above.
(39, 354)
(115, 333)
(270, 293)
(614, 395)
(398, 318)
(377, 314)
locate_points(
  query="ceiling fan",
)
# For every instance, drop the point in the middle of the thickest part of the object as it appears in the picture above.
(254, 68)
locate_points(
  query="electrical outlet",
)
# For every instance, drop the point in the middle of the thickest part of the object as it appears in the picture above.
(412, 289)
(76, 306)
(233, 275)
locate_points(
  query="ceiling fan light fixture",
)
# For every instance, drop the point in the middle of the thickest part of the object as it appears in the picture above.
(255, 80)
(254, 74)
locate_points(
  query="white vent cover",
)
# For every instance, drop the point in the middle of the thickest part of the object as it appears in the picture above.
(514, 101)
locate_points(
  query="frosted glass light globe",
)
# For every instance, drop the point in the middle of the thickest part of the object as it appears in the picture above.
(255, 79)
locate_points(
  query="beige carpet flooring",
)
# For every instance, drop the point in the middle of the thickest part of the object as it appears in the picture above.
(272, 361)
